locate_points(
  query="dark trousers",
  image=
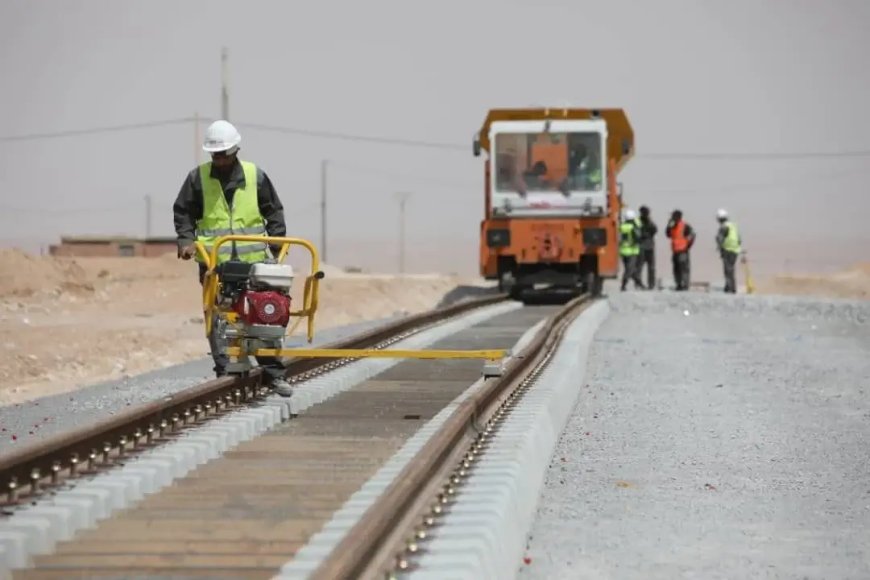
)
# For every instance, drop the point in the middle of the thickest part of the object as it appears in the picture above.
(630, 271)
(682, 269)
(647, 258)
(272, 366)
(729, 263)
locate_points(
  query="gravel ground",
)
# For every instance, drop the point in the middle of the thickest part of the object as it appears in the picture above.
(27, 422)
(716, 437)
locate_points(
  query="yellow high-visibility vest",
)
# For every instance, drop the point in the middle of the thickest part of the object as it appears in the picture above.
(219, 219)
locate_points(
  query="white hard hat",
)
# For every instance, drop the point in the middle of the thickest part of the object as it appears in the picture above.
(629, 214)
(221, 136)
(721, 214)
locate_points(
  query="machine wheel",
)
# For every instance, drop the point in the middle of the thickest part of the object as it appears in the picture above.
(593, 283)
(516, 292)
(598, 286)
(506, 282)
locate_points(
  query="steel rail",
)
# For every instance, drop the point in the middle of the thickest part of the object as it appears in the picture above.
(370, 548)
(101, 445)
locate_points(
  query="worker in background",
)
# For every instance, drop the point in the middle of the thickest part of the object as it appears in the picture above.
(728, 242)
(648, 230)
(535, 177)
(223, 195)
(682, 239)
(629, 249)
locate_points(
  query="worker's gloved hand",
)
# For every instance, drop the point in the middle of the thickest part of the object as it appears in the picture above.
(187, 252)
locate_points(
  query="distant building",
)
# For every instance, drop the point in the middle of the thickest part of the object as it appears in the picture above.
(112, 246)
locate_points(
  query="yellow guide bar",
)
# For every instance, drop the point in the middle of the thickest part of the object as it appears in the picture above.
(369, 353)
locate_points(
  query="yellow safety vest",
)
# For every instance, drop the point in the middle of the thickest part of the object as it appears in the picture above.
(218, 219)
(628, 244)
(732, 240)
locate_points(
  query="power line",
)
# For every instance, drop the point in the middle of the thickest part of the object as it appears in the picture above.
(354, 137)
(64, 211)
(96, 130)
(750, 188)
(670, 156)
(758, 156)
(255, 126)
(386, 173)
(357, 137)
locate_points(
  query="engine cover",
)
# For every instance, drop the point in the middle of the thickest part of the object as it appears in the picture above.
(268, 308)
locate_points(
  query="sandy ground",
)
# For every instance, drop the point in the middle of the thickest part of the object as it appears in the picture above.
(851, 283)
(72, 322)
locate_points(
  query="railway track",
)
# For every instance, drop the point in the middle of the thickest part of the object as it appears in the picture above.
(252, 488)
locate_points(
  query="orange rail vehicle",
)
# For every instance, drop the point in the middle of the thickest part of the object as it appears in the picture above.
(552, 198)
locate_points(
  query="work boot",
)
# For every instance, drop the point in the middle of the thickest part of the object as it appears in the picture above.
(282, 387)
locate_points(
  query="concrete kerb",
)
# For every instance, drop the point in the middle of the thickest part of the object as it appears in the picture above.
(35, 529)
(509, 477)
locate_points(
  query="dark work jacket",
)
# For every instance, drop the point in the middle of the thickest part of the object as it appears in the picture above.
(188, 205)
(648, 230)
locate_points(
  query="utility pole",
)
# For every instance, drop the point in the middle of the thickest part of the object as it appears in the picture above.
(323, 164)
(197, 140)
(403, 199)
(148, 216)
(225, 93)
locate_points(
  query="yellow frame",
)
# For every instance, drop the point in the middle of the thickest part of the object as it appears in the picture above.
(487, 354)
(211, 284)
(310, 301)
(750, 285)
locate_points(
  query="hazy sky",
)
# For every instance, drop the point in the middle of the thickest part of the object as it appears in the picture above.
(745, 76)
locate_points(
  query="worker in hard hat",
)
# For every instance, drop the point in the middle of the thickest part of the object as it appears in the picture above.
(647, 257)
(227, 195)
(629, 249)
(728, 242)
(682, 239)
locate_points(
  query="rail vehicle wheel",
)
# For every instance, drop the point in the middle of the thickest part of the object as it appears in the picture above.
(517, 291)
(506, 282)
(593, 283)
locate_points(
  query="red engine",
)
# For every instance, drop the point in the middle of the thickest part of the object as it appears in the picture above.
(269, 308)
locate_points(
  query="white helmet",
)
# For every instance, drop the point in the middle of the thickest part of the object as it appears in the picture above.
(721, 214)
(630, 215)
(221, 136)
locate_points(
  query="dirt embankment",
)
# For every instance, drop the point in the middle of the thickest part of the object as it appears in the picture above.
(71, 322)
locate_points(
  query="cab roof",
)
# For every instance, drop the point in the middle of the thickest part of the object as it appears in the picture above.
(620, 140)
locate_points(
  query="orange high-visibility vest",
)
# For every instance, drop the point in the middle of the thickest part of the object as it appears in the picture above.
(679, 243)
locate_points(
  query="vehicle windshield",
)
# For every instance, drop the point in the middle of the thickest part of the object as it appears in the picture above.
(548, 162)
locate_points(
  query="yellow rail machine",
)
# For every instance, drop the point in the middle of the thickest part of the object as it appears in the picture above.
(248, 305)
